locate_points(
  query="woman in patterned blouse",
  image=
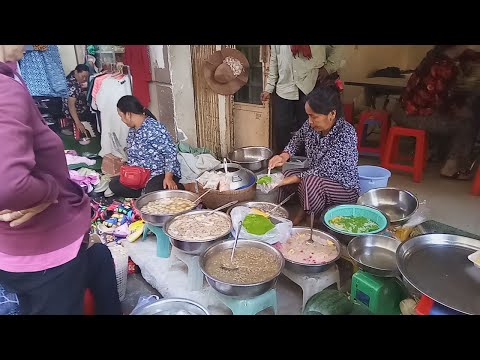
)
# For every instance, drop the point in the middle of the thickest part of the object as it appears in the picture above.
(331, 147)
(149, 145)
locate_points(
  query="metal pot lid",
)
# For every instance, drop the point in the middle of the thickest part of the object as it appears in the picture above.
(437, 266)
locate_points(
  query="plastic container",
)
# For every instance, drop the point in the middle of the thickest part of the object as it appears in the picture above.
(356, 210)
(475, 258)
(372, 177)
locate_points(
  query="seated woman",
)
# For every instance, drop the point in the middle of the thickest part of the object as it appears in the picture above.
(149, 145)
(331, 147)
(437, 99)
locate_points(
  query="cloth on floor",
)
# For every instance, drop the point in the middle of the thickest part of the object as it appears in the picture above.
(75, 160)
(87, 182)
(192, 166)
(102, 186)
(71, 152)
(188, 149)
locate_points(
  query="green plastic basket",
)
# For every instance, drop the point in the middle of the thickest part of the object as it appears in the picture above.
(356, 210)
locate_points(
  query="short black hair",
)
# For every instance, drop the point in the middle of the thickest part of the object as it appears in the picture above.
(82, 68)
(324, 99)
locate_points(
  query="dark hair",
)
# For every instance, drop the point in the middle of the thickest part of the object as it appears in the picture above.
(129, 103)
(82, 68)
(324, 99)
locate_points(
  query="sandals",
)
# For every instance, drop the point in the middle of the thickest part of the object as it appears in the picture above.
(464, 175)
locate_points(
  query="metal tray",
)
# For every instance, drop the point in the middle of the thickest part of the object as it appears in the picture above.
(437, 266)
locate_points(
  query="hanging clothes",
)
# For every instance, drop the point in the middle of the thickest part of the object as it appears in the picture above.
(43, 72)
(137, 57)
(111, 90)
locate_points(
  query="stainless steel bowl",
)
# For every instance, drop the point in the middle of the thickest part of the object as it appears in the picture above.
(399, 205)
(254, 158)
(160, 220)
(312, 268)
(282, 212)
(375, 254)
(163, 306)
(193, 247)
(241, 177)
(237, 290)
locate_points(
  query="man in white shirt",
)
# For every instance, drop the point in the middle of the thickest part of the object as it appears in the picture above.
(294, 72)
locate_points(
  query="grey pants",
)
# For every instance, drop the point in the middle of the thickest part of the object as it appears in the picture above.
(462, 129)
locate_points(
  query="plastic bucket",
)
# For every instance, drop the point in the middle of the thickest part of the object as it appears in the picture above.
(372, 177)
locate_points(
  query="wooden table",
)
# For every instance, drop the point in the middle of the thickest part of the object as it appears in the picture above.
(378, 86)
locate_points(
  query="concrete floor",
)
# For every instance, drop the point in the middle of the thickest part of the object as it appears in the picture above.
(447, 201)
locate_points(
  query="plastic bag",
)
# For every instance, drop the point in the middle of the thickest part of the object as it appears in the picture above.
(421, 215)
(144, 301)
(266, 188)
(280, 233)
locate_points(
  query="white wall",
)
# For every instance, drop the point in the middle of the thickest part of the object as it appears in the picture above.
(363, 59)
(68, 57)
(182, 86)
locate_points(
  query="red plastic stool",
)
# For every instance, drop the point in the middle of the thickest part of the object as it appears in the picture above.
(390, 155)
(88, 303)
(369, 117)
(348, 112)
(476, 184)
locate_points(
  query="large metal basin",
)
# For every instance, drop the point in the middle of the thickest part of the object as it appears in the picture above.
(312, 268)
(241, 290)
(195, 247)
(254, 158)
(399, 205)
(160, 220)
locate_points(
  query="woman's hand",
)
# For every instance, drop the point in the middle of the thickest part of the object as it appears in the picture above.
(16, 218)
(290, 180)
(169, 183)
(278, 160)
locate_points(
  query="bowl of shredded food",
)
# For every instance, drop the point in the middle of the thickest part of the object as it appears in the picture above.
(354, 220)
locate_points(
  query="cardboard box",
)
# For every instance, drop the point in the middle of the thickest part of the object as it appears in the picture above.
(111, 165)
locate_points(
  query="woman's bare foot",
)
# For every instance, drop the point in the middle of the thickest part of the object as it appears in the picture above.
(299, 217)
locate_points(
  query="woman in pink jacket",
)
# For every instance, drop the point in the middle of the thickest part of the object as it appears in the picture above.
(44, 216)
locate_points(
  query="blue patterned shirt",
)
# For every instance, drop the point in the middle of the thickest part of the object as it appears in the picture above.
(333, 156)
(151, 147)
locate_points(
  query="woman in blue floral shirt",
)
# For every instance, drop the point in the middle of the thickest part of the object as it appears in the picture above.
(149, 145)
(330, 144)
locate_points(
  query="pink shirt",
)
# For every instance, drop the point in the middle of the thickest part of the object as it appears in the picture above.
(40, 262)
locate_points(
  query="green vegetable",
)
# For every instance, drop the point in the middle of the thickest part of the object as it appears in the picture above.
(354, 224)
(264, 180)
(257, 224)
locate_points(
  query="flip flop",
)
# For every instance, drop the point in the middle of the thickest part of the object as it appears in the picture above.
(460, 175)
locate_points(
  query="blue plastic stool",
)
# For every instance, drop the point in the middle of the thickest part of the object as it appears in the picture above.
(195, 275)
(250, 306)
(163, 243)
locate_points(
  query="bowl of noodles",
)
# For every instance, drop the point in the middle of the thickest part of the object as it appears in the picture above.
(349, 221)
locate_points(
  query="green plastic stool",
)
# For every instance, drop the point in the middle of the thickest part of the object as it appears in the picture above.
(250, 306)
(163, 243)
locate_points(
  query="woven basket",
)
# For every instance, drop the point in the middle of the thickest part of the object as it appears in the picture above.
(216, 198)
(120, 258)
